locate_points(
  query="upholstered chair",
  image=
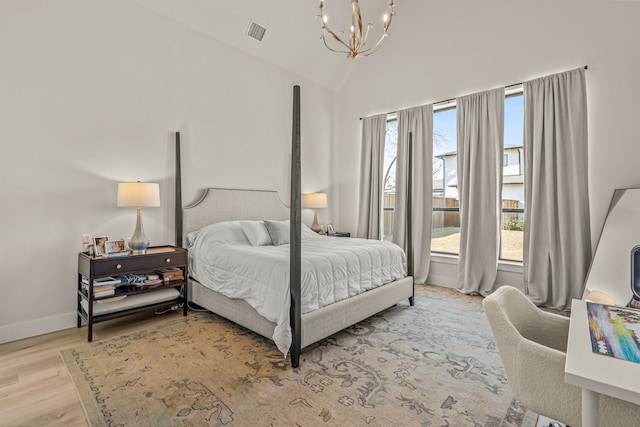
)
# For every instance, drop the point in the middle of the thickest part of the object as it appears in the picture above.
(532, 344)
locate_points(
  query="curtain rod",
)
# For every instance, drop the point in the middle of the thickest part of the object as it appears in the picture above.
(446, 101)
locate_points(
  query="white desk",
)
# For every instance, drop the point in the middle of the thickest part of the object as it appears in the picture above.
(594, 373)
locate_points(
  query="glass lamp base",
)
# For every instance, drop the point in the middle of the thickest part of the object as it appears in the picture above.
(138, 247)
(139, 242)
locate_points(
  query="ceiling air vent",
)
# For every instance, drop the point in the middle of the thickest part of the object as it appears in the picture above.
(256, 31)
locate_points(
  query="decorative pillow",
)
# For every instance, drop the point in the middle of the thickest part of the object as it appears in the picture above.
(256, 233)
(278, 230)
(221, 232)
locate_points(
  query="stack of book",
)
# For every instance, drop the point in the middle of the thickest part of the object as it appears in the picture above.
(104, 286)
(170, 274)
(123, 253)
(150, 281)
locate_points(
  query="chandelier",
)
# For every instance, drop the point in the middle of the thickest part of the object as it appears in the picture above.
(354, 43)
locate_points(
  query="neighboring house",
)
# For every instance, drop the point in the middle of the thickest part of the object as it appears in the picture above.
(512, 179)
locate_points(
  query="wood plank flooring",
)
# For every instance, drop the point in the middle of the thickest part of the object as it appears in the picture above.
(35, 388)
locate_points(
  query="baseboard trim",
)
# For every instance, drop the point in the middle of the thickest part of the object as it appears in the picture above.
(442, 281)
(32, 328)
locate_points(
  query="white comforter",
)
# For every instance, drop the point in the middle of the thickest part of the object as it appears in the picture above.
(333, 269)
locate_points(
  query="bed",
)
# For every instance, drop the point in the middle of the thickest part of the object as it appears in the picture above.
(305, 325)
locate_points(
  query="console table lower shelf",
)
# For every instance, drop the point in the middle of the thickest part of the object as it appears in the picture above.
(106, 310)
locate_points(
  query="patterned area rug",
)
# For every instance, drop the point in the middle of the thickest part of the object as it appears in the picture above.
(434, 364)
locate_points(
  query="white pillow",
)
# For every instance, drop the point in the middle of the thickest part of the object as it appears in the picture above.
(191, 237)
(221, 232)
(278, 230)
(256, 233)
(308, 233)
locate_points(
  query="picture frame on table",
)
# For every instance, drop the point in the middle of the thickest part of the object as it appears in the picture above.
(114, 246)
(99, 245)
(330, 229)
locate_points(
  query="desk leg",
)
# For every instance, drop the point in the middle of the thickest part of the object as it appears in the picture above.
(590, 409)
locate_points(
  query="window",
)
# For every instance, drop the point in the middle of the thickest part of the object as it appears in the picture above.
(445, 226)
(445, 230)
(512, 229)
(389, 178)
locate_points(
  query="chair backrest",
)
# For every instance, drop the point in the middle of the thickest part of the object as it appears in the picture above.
(509, 313)
(532, 346)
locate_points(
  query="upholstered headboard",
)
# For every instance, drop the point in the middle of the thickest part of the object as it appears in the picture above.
(227, 204)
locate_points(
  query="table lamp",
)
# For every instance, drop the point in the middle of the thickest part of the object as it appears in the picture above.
(138, 194)
(315, 201)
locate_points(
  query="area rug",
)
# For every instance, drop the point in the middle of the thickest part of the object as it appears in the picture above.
(434, 364)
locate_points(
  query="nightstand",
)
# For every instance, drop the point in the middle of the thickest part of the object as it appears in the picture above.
(341, 234)
(93, 308)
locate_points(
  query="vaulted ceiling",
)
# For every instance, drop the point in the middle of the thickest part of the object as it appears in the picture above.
(436, 29)
(292, 40)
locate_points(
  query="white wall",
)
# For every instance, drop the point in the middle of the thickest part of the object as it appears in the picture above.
(440, 50)
(90, 95)
(610, 271)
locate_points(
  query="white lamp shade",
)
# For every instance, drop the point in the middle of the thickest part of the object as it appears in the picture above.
(143, 194)
(314, 200)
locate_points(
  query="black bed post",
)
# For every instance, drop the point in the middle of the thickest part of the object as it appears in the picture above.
(410, 217)
(295, 234)
(178, 194)
(178, 218)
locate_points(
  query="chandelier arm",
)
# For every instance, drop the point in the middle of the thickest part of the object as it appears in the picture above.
(336, 37)
(332, 49)
(388, 23)
(385, 28)
(357, 10)
(363, 39)
(373, 48)
(326, 28)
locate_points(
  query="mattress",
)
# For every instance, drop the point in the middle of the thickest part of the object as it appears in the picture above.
(333, 269)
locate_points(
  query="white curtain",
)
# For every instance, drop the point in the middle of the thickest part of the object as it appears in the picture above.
(418, 121)
(557, 241)
(480, 133)
(374, 131)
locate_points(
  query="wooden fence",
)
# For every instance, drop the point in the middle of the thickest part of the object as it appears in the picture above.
(440, 219)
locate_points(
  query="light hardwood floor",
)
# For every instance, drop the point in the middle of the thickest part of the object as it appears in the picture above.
(35, 388)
